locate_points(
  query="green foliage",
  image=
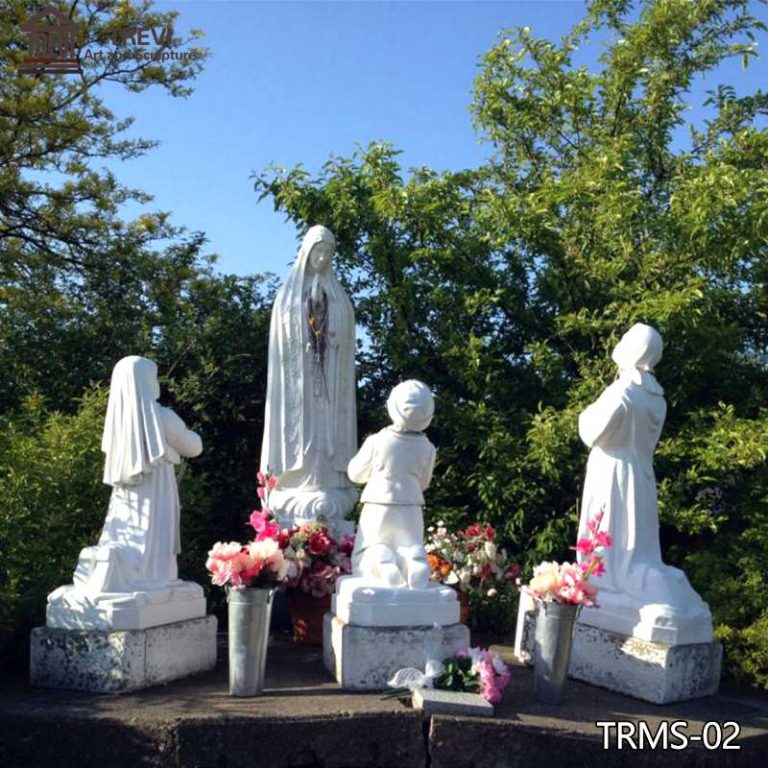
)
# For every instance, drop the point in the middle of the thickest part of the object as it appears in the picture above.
(53, 503)
(746, 652)
(457, 675)
(79, 289)
(505, 287)
(57, 208)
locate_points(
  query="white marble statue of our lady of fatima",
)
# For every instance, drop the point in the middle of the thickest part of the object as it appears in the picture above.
(129, 579)
(310, 420)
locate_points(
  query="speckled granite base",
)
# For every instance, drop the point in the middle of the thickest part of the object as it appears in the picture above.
(118, 662)
(364, 658)
(653, 672)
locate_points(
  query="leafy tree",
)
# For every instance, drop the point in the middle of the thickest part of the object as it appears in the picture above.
(506, 286)
(73, 276)
(79, 289)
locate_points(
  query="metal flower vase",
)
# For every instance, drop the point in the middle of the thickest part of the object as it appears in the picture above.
(250, 611)
(552, 649)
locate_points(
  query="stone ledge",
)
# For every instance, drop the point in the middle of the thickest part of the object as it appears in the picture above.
(305, 719)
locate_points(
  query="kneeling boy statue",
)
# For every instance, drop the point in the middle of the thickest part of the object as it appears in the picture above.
(396, 464)
(388, 613)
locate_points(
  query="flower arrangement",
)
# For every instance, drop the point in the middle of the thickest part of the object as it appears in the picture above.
(569, 582)
(259, 563)
(475, 670)
(470, 560)
(471, 670)
(318, 559)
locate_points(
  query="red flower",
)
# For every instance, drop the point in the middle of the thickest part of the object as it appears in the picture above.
(347, 544)
(319, 543)
(512, 572)
(284, 539)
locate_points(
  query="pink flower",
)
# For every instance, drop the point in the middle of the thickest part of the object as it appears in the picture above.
(271, 483)
(262, 493)
(594, 523)
(603, 539)
(261, 477)
(598, 568)
(270, 531)
(258, 520)
(584, 546)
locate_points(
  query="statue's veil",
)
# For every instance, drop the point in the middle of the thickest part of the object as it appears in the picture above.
(133, 439)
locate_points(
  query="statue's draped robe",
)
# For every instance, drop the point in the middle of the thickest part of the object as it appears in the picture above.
(142, 441)
(622, 429)
(310, 425)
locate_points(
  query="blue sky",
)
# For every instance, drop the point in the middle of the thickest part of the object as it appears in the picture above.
(291, 82)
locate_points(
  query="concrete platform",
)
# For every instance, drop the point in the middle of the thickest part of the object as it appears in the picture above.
(305, 720)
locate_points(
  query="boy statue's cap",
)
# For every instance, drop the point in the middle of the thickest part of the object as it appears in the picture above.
(411, 406)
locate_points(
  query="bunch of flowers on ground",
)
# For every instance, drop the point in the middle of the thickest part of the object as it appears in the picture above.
(470, 560)
(475, 670)
(259, 563)
(470, 670)
(569, 582)
(317, 558)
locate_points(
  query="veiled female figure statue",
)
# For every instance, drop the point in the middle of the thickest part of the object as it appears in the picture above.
(310, 422)
(129, 580)
(639, 594)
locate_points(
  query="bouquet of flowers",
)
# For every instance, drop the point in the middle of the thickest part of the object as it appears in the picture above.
(471, 670)
(475, 670)
(569, 582)
(317, 559)
(470, 560)
(259, 563)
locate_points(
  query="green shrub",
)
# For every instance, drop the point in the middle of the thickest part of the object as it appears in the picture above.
(746, 652)
(54, 504)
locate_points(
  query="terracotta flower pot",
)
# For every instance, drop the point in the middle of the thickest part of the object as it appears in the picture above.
(464, 612)
(307, 616)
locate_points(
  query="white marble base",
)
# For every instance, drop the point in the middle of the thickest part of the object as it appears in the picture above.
(654, 622)
(294, 506)
(69, 607)
(118, 662)
(365, 658)
(435, 702)
(655, 672)
(357, 602)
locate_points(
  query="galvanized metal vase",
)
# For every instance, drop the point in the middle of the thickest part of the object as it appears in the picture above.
(250, 611)
(552, 649)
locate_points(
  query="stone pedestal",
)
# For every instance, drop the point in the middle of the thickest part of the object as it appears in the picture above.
(357, 602)
(651, 671)
(71, 607)
(365, 658)
(121, 661)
